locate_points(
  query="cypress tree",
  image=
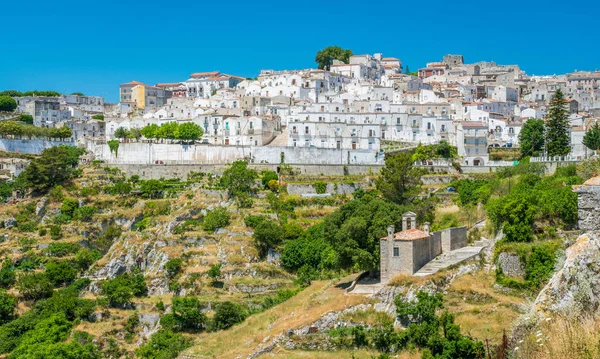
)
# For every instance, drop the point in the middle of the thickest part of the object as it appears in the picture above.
(557, 127)
(591, 139)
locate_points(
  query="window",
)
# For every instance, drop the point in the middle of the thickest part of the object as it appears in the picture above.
(306, 130)
(396, 252)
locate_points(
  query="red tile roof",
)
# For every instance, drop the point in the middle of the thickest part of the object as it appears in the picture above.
(205, 74)
(389, 59)
(168, 85)
(132, 83)
(409, 235)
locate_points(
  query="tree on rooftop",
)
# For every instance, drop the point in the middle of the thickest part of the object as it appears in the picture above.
(325, 57)
(591, 139)
(406, 70)
(531, 137)
(7, 103)
(557, 127)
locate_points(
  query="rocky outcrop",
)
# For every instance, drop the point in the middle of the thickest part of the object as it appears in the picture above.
(574, 288)
(126, 254)
(40, 208)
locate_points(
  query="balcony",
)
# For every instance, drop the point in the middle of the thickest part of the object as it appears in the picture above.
(251, 131)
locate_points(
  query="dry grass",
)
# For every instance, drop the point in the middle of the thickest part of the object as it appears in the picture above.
(408, 280)
(303, 309)
(342, 354)
(480, 310)
(563, 337)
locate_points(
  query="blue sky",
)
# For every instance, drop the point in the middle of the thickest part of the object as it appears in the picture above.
(93, 46)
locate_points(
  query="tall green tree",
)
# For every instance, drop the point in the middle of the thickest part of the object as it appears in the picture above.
(531, 137)
(188, 131)
(121, 132)
(325, 57)
(591, 139)
(7, 103)
(406, 70)
(238, 178)
(54, 166)
(557, 127)
(399, 181)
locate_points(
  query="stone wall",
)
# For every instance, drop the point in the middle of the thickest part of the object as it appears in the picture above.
(384, 261)
(151, 153)
(421, 252)
(453, 238)
(30, 146)
(333, 188)
(511, 264)
(588, 203)
(151, 171)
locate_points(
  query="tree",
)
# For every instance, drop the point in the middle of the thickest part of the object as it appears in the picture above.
(406, 70)
(268, 176)
(167, 130)
(227, 315)
(164, 344)
(61, 272)
(557, 127)
(188, 131)
(268, 234)
(238, 178)
(173, 267)
(34, 286)
(152, 188)
(121, 132)
(150, 131)
(135, 133)
(28, 119)
(188, 313)
(400, 181)
(531, 137)
(55, 166)
(8, 306)
(77, 94)
(325, 57)
(591, 139)
(7, 103)
(7, 274)
(99, 117)
(214, 272)
(218, 218)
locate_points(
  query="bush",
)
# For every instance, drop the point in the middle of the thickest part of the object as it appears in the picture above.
(7, 103)
(123, 288)
(86, 257)
(227, 314)
(34, 286)
(188, 315)
(84, 213)
(252, 221)
(268, 176)
(216, 219)
(8, 306)
(268, 234)
(164, 344)
(320, 187)
(55, 232)
(69, 206)
(7, 274)
(60, 272)
(173, 267)
(62, 249)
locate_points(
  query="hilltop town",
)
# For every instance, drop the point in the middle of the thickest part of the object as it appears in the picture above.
(352, 210)
(347, 112)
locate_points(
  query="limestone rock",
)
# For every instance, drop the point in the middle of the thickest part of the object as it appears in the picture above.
(511, 264)
(576, 286)
(40, 207)
(9, 223)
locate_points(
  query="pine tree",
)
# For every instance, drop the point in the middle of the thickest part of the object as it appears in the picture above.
(557, 127)
(591, 139)
(406, 70)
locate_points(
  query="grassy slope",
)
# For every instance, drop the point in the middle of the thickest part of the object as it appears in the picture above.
(303, 309)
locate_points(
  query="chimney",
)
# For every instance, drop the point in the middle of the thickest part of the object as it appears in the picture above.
(426, 227)
(390, 230)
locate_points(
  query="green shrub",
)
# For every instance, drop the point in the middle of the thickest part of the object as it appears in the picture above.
(253, 220)
(320, 187)
(85, 213)
(188, 314)
(227, 314)
(164, 344)
(8, 306)
(173, 267)
(86, 257)
(34, 286)
(268, 234)
(60, 272)
(68, 207)
(55, 232)
(123, 288)
(267, 176)
(61, 249)
(218, 218)
(7, 274)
